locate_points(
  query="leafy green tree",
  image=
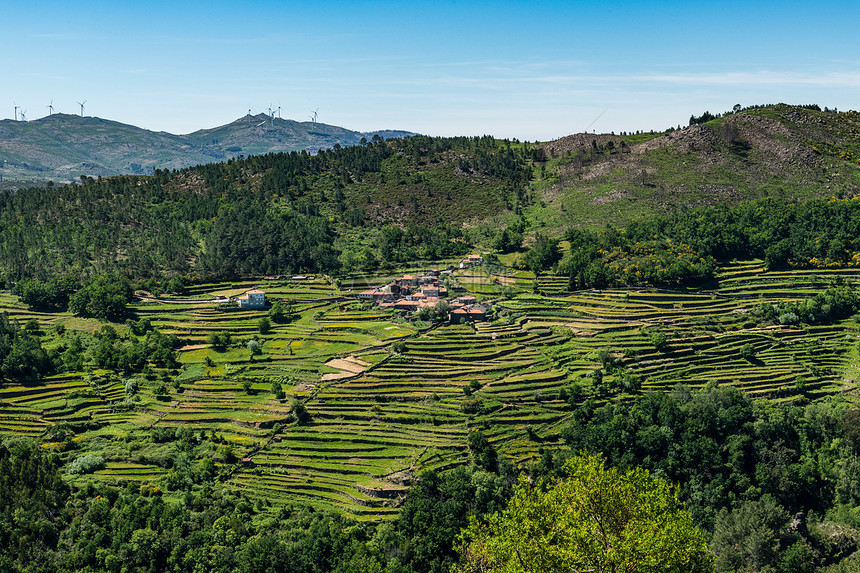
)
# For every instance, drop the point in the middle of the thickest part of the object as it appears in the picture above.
(21, 354)
(264, 325)
(278, 390)
(103, 296)
(300, 412)
(596, 519)
(544, 254)
(507, 240)
(658, 340)
(747, 351)
(219, 341)
(278, 314)
(86, 464)
(483, 452)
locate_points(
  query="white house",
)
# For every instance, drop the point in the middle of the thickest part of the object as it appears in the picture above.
(252, 299)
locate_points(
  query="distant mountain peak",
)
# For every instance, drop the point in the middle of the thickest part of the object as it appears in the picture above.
(62, 146)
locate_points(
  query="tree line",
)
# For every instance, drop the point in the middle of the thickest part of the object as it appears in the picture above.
(684, 248)
(22, 355)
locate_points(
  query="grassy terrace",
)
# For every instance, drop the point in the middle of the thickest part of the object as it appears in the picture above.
(378, 417)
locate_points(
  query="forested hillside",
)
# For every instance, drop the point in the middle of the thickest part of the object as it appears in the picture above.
(270, 214)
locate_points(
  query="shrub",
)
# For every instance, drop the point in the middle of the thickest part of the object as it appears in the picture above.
(300, 412)
(788, 318)
(130, 387)
(86, 464)
(161, 392)
(658, 340)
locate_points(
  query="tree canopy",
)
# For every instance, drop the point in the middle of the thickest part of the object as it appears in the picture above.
(596, 519)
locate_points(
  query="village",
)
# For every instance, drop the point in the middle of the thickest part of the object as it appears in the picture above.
(410, 294)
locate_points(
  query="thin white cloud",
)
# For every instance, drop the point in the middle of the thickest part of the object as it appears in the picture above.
(763, 78)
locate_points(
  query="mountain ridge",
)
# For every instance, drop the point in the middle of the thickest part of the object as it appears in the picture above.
(62, 147)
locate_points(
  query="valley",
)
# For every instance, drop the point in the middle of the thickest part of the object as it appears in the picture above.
(334, 360)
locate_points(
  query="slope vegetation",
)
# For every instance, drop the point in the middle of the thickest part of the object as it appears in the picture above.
(779, 151)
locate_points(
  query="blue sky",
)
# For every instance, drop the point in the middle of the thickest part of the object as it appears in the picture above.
(531, 70)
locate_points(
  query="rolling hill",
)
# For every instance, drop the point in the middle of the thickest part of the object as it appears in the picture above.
(768, 151)
(62, 147)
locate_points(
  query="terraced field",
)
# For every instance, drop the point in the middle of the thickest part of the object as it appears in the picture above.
(377, 417)
(705, 332)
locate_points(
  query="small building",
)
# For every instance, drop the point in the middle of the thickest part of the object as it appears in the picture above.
(407, 281)
(252, 299)
(407, 305)
(367, 294)
(377, 294)
(459, 315)
(477, 313)
(430, 290)
(471, 261)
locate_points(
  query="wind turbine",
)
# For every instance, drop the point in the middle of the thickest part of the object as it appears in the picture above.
(23, 115)
(16, 111)
(249, 115)
(315, 114)
(82, 107)
(279, 112)
(50, 107)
